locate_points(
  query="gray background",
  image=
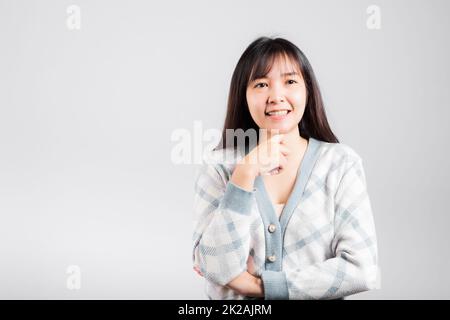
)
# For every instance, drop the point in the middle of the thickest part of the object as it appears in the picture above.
(86, 118)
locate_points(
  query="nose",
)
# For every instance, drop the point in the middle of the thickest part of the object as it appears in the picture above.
(276, 95)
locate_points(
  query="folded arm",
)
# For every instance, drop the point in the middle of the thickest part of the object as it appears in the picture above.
(222, 228)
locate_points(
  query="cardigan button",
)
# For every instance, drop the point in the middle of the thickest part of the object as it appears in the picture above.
(271, 258)
(272, 228)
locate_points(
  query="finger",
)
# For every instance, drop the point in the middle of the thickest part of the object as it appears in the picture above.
(196, 269)
(282, 138)
(263, 135)
(273, 132)
(276, 145)
(274, 171)
(277, 137)
(284, 150)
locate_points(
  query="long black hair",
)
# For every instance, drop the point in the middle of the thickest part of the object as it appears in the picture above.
(256, 62)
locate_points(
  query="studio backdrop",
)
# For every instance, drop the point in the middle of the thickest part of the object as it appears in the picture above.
(97, 95)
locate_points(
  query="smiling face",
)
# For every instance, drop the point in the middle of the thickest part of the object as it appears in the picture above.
(277, 100)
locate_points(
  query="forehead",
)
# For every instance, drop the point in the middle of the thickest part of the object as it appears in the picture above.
(282, 65)
(276, 66)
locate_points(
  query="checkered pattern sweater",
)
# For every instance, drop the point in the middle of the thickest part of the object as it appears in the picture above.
(323, 245)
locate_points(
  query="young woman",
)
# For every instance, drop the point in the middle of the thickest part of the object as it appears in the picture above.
(289, 218)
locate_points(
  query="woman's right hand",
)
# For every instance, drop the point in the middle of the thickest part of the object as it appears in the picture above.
(269, 156)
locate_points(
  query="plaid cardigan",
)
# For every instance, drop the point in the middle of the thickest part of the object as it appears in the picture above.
(323, 245)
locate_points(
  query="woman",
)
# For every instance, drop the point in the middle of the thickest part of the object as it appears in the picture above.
(290, 217)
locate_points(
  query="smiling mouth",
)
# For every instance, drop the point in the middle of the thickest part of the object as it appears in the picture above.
(278, 113)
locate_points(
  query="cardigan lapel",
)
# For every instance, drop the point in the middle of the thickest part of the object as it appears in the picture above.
(274, 239)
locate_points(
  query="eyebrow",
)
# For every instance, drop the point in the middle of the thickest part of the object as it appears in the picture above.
(286, 74)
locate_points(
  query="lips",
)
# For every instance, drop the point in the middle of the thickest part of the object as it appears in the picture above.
(278, 112)
(278, 115)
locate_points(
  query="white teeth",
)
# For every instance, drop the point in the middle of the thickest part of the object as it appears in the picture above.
(278, 113)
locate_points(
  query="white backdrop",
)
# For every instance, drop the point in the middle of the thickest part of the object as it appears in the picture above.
(87, 114)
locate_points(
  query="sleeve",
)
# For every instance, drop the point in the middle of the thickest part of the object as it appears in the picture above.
(221, 239)
(354, 265)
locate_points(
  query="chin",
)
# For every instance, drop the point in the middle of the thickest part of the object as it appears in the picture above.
(283, 129)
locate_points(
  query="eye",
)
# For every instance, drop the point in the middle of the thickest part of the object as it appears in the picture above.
(293, 81)
(257, 85)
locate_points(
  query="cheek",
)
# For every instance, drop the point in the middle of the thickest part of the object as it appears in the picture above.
(255, 105)
(299, 98)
